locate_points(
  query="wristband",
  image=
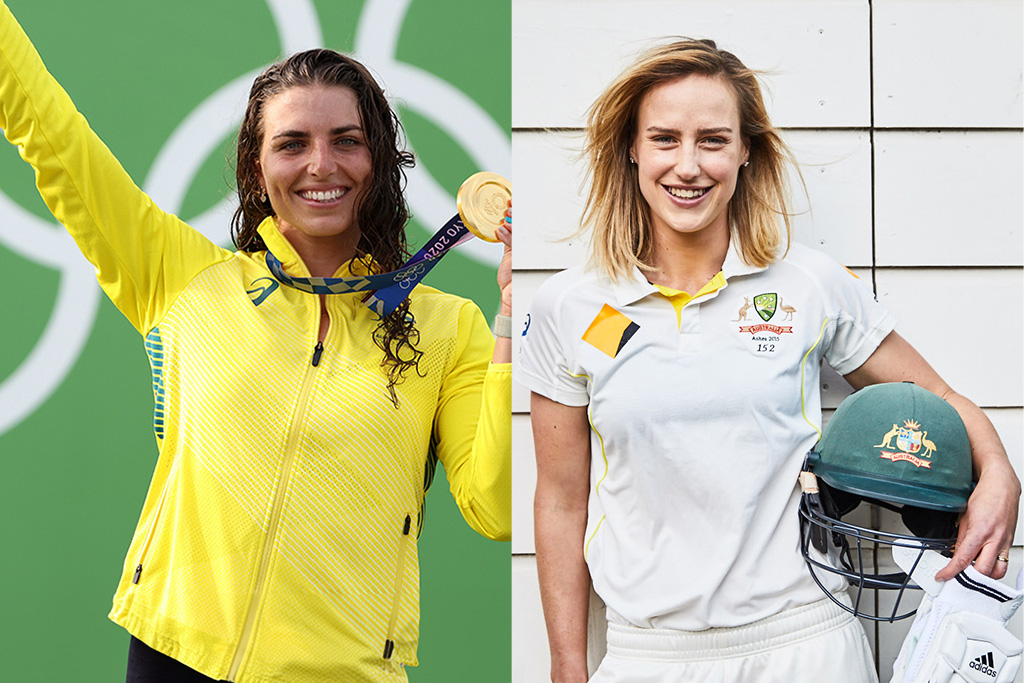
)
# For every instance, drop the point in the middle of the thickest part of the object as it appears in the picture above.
(502, 326)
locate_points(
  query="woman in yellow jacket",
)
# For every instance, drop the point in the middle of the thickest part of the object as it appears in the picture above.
(298, 430)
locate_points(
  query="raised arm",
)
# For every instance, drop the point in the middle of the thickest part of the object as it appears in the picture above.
(561, 438)
(479, 461)
(472, 430)
(987, 527)
(143, 256)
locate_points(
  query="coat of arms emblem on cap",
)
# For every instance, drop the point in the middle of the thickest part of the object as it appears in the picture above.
(910, 441)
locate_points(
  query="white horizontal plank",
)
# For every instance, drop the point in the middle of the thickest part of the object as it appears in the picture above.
(524, 481)
(967, 324)
(949, 198)
(923, 216)
(947, 64)
(524, 283)
(531, 661)
(1009, 424)
(549, 199)
(564, 53)
(833, 215)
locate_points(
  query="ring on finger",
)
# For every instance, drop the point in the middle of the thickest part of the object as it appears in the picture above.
(1003, 556)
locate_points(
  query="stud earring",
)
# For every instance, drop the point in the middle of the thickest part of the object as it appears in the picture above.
(632, 160)
(746, 163)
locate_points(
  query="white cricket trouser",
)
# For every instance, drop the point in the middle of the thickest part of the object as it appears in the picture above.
(816, 643)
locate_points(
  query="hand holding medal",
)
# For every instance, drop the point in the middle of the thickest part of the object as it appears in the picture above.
(485, 206)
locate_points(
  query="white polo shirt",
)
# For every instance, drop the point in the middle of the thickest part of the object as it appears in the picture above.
(699, 427)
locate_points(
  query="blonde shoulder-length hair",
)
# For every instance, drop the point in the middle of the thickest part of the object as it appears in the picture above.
(617, 213)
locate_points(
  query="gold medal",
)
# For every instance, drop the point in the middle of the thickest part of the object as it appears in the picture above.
(482, 201)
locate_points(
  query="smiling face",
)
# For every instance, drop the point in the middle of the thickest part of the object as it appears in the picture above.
(314, 166)
(688, 151)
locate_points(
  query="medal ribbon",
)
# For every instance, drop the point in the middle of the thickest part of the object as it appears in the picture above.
(389, 289)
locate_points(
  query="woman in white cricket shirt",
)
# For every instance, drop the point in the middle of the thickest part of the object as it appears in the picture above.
(675, 395)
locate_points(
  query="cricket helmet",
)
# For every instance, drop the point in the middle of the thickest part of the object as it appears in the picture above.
(902, 448)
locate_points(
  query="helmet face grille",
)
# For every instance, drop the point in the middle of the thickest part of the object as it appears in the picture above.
(832, 547)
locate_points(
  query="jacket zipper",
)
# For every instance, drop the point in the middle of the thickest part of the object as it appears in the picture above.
(403, 550)
(144, 550)
(294, 432)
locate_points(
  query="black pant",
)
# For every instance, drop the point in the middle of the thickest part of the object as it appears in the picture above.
(146, 665)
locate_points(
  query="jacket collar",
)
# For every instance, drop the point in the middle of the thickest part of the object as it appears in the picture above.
(290, 260)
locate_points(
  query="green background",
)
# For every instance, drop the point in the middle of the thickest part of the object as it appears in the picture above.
(77, 469)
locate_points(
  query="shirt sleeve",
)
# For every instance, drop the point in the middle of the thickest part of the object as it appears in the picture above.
(473, 429)
(143, 256)
(860, 323)
(545, 365)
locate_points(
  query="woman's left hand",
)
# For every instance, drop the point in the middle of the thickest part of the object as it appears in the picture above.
(987, 526)
(504, 233)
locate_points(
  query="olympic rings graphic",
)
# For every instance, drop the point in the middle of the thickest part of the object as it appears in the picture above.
(413, 275)
(77, 300)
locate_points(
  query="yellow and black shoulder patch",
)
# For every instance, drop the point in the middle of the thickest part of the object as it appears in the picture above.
(610, 331)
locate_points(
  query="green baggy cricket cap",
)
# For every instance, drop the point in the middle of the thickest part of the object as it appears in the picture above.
(899, 443)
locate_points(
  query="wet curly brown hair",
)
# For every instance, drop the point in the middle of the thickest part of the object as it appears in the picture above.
(381, 213)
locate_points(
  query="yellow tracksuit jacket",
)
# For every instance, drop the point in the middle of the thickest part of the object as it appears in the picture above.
(278, 538)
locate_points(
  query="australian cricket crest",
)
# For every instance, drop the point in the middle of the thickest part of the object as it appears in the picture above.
(765, 305)
(764, 335)
(910, 442)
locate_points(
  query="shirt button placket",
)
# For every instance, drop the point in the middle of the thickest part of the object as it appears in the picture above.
(689, 329)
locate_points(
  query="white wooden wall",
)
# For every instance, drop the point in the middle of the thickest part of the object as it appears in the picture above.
(906, 117)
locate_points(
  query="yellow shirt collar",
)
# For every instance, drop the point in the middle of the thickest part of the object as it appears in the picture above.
(679, 298)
